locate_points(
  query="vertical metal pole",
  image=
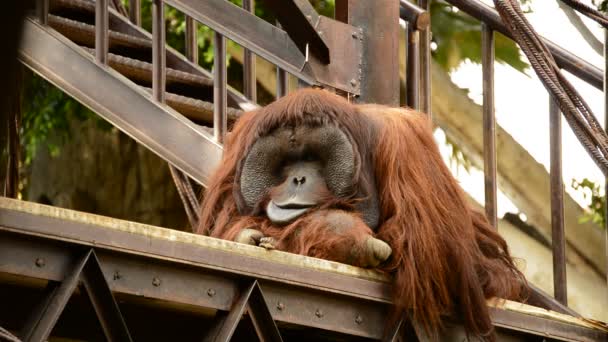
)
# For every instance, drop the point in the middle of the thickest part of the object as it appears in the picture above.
(101, 31)
(379, 22)
(135, 12)
(606, 128)
(282, 83)
(282, 80)
(219, 87)
(489, 123)
(42, 9)
(425, 63)
(191, 40)
(413, 68)
(158, 51)
(249, 78)
(557, 205)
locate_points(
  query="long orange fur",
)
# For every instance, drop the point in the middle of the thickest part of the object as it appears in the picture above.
(447, 259)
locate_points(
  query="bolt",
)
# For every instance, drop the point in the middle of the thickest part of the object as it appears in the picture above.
(156, 282)
(319, 313)
(117, 275)
(40, 262)
(359, 319)
(280, 306)
(353, 82)
(211, 292)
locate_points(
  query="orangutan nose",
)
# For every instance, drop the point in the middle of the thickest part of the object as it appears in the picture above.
(299, 180)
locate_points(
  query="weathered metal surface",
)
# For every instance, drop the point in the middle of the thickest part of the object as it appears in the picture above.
(413, 68)
(101, 31)
(251, 32)
(42, 11)
(191, 40)
(153, 263)
(425, 61)
(418, 17)
(346, 48)
(378, 22)
(301, 22)
(43, 319)
(558, 238)
(565, 59)
(263, 322)
(119, 101)
(544, 323)
(489, 124)
(220, 80)
(100, 296)
(159, 62)
(135, 12)
(249, 66)
(282, 83)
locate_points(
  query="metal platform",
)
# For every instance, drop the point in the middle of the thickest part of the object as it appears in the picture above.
(169, 283)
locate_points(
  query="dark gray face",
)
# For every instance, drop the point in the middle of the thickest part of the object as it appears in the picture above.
(300, 168)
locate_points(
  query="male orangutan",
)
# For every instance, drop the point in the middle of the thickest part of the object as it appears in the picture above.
(365, 185)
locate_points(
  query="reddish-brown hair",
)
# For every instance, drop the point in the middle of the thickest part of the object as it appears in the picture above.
(447, 260)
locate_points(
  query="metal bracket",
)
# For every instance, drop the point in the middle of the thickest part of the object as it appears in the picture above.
(88, 270)
(251, 299)
(345, 44)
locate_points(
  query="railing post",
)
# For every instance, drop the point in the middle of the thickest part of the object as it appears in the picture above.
(413, 67)
(249, 75)
(425, 63)
(489, 123)
(101, 31)
(158, 51)
(42, 11)
(606, 128)
(558, 239)
(379, 21)
(219, 87)
(191, 40)
(135, 12)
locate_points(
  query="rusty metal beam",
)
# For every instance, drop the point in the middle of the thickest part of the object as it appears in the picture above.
(119, 101)
(558, 238)
(259, 36)
(260, 315)
(301, 22)
(378, 24)
(43, 319)
(100, 296)
(170, 271)
(489, 125)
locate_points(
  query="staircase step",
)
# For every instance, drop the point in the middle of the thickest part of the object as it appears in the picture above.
(197, 110)
(84, 34)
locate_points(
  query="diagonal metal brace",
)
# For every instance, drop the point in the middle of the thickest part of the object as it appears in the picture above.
(301, 22)
(252, 300)
(86, 269)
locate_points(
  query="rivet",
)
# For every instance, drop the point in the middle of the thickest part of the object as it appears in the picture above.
(359, 319)
(320, 33)
(309, 18)
(319, 313)
(353, 82)
(355, 35)
(280, 306)
(117, 275)
(40, 262)
(156, 282)
(211, 292)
